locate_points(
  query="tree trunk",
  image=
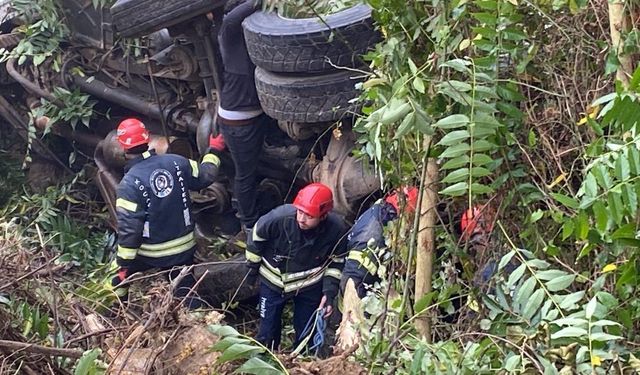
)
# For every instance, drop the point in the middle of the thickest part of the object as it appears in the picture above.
(618, 23)
(426, 243)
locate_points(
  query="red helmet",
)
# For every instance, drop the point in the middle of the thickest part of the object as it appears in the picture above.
(410, 196)
(132, 133)
(314, 200)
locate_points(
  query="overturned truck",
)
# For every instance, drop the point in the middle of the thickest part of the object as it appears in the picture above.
(159, 61)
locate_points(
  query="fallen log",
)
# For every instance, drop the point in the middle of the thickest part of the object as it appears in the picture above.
(224, 282)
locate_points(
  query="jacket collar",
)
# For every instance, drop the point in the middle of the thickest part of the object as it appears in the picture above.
(145, 155)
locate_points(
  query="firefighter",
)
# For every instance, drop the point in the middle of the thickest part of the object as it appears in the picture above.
(298, 251)
(366, 242)
(240, 117)
(155, 224)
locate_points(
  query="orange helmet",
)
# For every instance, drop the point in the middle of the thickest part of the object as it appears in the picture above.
(314, 200)
(410, 195)
(132, 133)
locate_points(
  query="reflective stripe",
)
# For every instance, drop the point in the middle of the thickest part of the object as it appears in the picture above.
(252, 257)
(195, 171)
(333, 272)
(169, 244)
(127, 205)
(337, 260)
(254, 235)
(288, 277)
(126, 252)
(211, 158)
(364, 260)
(146, 155)
(301, 284)
(293, 281)
(167, 252)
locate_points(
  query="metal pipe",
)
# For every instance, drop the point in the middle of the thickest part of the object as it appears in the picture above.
(30, 86)
(121, 97)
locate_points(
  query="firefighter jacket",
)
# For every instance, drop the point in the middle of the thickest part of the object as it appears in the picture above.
(367, 246)
(153, 207)
(291, 259)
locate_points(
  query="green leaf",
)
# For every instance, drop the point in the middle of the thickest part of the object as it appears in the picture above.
(237, 351)
(550, 274)
(525, 291)
(456, 190)
(569, 301)
(601, 336)
(516, 275)
(424, 301)
(457, 64)
(226, 342)
(602, 216)
(512, 362)
(406, 125)
(455, 151)
(452, 122)
(412, 66)
(605, 323)
(87, 363)
(258, 367)
(533, 305)
(481, 159)
(569, 332)
(456, 163)
(223, 331)
(506, 259)
(565, 200)
(456, 176)
(418, 84)
(454, 138)
(560, 283)
(570, 322)
(477, 188)
(623, 169)
(591, 308)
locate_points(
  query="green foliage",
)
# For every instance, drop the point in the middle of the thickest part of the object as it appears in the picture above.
(235, 346)
(89, 364)
(43, 32)
(77, 108)
(307, 8)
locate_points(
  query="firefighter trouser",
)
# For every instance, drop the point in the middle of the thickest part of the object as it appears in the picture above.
(271, 305)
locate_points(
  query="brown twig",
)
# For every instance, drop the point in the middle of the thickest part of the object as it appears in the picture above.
(34, 348)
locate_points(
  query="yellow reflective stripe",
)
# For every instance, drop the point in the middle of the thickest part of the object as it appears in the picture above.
(364, 260)
(252, 257)
(195, 171)
(164, 253)
(337, 260)
(254, 235)
(271, 268)
(289, 277)
(189, 237)
(273, 279)
(126, 252)
(211, 158)
(333, 272)
(301, 284)
(127, 205)
(146, 155)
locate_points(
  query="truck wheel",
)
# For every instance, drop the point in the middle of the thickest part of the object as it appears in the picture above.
(133, 18)
(308, 98)
(310, 45)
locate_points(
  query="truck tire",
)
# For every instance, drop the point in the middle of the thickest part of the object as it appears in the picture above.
(308, 98)
(132, 18)
(307, 45)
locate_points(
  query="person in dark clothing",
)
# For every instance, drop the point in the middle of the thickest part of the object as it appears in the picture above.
(366, 242)
(298, 251)
(153, 207)
(240, 117)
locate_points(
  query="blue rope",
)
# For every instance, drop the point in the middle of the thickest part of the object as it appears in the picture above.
(318, 324)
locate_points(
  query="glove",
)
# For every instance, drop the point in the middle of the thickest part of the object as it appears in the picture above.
(253, 272)
(119, 277)
(216, 144)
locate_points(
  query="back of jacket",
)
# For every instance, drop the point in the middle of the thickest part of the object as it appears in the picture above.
(154, 207)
